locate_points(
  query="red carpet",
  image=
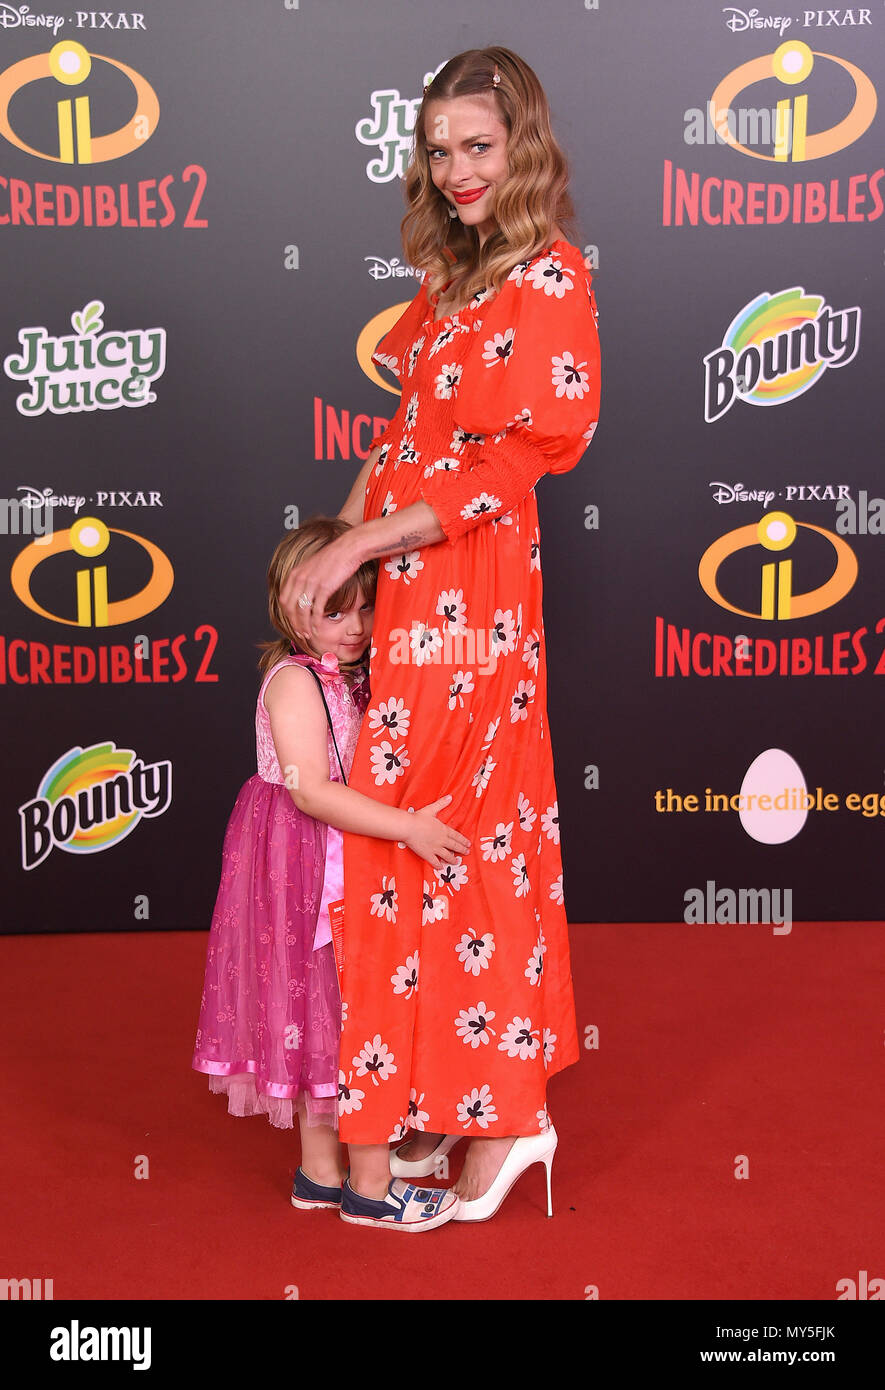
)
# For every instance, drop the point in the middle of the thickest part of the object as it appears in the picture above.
(714, 1042)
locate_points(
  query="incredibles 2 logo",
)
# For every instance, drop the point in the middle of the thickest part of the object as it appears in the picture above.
(764, 110)
(748, 572)
(74, 86)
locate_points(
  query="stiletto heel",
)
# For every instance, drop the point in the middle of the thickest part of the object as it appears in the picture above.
(548, 1164)
(526, 1150)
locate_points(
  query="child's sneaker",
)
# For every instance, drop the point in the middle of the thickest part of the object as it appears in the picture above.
(310, 1196)
(406, 1207)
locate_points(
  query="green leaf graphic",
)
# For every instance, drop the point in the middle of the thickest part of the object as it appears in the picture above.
(88, 319)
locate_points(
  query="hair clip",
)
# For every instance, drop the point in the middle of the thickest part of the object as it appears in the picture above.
(497, 77)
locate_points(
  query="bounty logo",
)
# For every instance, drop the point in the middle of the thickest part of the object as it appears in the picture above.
(90, 799)
(87, 370)
(775, 348)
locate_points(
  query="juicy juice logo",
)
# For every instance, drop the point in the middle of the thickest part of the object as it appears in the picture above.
(776, 347)
(90, 799)
(86, 370)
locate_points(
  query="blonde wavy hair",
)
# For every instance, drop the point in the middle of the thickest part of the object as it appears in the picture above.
(528, 204)
(311, 536)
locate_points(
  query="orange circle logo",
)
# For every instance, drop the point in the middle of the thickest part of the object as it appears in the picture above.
(776, 532)
(89, 538)
(791, 64)
(69, 64)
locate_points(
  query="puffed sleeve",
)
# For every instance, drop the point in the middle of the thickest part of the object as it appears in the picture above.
(529, 386)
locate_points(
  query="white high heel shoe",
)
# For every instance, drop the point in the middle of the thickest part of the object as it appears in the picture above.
(526, 1150)
(423, 1167)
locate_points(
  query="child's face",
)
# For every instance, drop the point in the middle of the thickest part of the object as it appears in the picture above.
(346, 633)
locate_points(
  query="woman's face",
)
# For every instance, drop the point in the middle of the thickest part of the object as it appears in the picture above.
(467, 151)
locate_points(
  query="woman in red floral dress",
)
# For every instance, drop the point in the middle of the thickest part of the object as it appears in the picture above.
(456, 982)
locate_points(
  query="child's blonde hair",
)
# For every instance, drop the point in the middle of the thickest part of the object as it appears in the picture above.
(311, 536)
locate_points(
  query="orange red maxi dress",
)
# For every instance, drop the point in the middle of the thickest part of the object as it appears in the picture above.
(456, 984)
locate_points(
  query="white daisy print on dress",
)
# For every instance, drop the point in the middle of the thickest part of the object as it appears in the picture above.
(412, 411)
(387, 763)
(461, 685)
(389, 506)
(550, 822)
(416, 1118)
(387, 360)
(446, 336)
(442, 465)
(390, 717)
(472, 1024)
(499, 348)
(406, 566)
(433, 908)
(535, 558)
(518, 272)
(548, 1043)
(384, 904)
(590, 430)
(520, 700)
(497, 846)
(474, 952)
(569, 377)
(407, 451)
(535, 968)
(483, 773)
(424, 641)
(520, 421)
(520, 1039)
(446, 384)
(451, 607)
(413, 354)
(400, 1130)
(453, 876)
(462, 437)
(477, 1107)
(490, 732)
(484, 503)
(531, 651)
(544, 1122)
(381, 460)
(405, 981)
(551, 276)
(526, 812)
(521, 884)
(555, 893)
(350, 1098)
(503, 632)
(375, 1059)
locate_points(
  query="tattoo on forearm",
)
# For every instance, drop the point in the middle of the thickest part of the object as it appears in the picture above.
(408, 541)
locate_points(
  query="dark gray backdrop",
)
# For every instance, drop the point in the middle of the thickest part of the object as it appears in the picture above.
(265, 98)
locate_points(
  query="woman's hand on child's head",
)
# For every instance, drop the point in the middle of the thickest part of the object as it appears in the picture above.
(432, 840)
(318, 576)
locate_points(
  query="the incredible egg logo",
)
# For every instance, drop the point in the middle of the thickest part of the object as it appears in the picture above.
(773, 804)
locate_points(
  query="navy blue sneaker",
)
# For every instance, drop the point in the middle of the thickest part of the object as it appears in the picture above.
(308, 1195)
(406, 1207)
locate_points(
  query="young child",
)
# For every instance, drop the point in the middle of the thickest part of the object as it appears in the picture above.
(270, 1016)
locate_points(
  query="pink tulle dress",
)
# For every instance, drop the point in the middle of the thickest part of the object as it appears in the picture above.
(270, 1016)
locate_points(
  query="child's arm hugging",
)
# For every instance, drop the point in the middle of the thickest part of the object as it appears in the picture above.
(298, 725)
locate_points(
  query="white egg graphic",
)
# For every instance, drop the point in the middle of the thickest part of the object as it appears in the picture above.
(775, 778)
